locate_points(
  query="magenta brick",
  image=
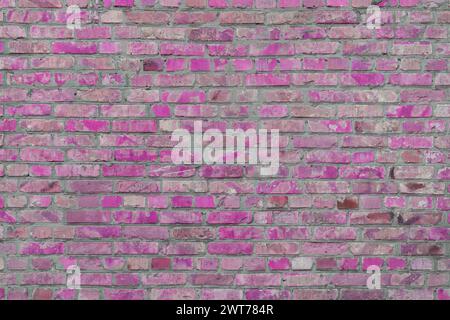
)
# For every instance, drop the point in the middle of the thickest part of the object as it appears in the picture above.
(443, 294)
(160, 264)
(136, 248)
(347, 172)
(411, 142)
(77, 171)
(279, 233)
(157, 201)
(173, 294)
(181, 218)
(182, 49)
(411, 79)
(185, 248)
(182, 202)
(279, 264)
(122, 294)
(240, 233)
(112, 201)
(229, 217)
(258, 280)
(123, 170)
(42, 155)
(145, 233)
(267, 294)
(362, 79)
(6, 217)
(88, 216)
(267, 80)
(48, 248)
(135, 217)
(204, 202)
(97, 232)
(283, 248)
(74, 48)
(87, 125)
(217, 294)
(230, 248)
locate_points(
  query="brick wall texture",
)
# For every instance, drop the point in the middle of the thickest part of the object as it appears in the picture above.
(87, 180)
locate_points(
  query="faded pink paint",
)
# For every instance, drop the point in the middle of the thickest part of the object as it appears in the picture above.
(86, 175)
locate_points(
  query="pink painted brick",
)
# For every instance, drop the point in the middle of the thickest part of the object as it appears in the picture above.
(86, 118)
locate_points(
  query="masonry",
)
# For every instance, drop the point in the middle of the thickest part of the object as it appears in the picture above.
(86, 177)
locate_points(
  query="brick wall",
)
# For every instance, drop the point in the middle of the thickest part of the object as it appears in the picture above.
(87, 180)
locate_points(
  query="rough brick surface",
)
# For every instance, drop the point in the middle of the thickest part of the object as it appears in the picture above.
(86, 176)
